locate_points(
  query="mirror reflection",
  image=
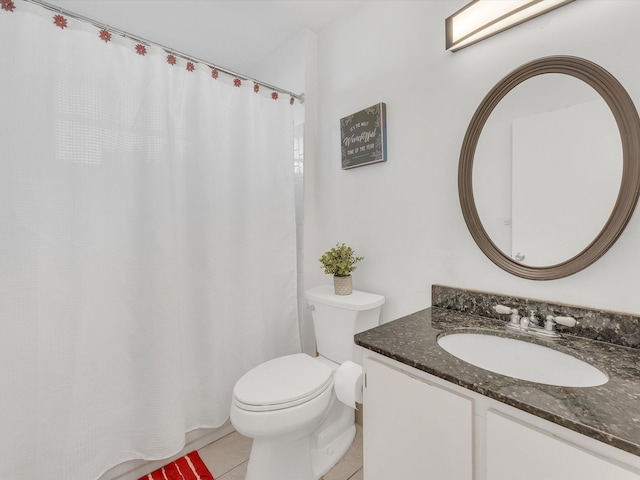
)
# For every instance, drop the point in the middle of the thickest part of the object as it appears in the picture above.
(547, 169)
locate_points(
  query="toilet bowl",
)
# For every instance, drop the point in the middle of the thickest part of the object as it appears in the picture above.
(289, 406)
(284, 405)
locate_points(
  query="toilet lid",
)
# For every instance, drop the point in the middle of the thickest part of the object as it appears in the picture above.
(282, 383)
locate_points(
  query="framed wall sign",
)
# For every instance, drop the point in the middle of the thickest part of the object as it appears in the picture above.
(363, 137)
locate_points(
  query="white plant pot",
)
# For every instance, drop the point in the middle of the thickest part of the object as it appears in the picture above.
(342, 285)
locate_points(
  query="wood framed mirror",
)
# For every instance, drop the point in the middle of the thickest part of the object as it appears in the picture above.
(625, 118)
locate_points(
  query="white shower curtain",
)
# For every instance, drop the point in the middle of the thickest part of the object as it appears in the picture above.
(147, 246)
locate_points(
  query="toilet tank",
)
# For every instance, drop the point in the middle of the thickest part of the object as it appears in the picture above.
(337, 318)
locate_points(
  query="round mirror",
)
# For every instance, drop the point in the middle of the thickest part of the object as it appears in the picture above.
(549, 171)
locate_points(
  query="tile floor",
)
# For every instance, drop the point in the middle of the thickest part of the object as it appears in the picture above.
(227, 459)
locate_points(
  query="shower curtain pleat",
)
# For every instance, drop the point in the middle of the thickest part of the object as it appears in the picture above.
(147, 247)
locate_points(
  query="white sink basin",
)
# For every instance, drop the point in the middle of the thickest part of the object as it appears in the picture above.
(523, 360)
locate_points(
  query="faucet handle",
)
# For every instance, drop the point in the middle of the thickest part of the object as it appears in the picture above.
(503, 309)
(515, 317)
(566, 321)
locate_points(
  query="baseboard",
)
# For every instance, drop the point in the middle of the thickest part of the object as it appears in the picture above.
(195, 440)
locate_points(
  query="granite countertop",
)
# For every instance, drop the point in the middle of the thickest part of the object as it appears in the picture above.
(609, 413)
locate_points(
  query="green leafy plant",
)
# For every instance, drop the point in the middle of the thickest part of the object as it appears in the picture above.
(339, 261)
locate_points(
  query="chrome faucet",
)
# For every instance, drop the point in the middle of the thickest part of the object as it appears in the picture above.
(531, 325)
(529, 322)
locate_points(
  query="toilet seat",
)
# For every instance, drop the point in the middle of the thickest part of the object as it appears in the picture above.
(282, 383)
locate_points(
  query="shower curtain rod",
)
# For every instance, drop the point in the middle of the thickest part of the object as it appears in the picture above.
(53, 8)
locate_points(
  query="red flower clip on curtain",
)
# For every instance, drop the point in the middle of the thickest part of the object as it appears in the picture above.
(171, 59)
(60, 21)
(105, 35)
(274, 95)
(292, 101)
(7, 5)
(256, 87)
(237, 82)
(141, 49)
(190, 67)
(215, 73)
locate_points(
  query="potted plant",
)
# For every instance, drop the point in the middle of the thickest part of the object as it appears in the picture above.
(340, 261)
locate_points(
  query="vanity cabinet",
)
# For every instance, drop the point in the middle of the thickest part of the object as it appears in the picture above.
(518, 450)
(420, 427)
(414, 429)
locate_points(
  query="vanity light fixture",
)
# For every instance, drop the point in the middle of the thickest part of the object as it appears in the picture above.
(482, 18)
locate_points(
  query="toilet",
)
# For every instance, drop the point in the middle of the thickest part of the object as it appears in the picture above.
(288, 405)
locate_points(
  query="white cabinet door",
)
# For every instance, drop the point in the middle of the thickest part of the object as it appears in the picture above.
(517, 451)
(414, 430)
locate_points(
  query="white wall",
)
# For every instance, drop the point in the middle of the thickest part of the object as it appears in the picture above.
(404, 215)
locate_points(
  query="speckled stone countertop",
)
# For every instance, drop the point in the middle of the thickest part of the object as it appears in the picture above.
(609, 413)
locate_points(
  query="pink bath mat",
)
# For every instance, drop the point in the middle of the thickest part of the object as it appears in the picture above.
(189, 467)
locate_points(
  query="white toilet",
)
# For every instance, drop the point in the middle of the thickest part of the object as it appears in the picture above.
(288, 405)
